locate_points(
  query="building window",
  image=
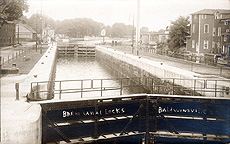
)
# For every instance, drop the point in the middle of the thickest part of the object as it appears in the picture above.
(214, 31)
(195, 16)
(204, 16)
(206, 28)
(219, 31)
(226, 23)
(218, 15)
(205, 44)
(193, 28)
(213, 44)
(193, 43)
(227, 30)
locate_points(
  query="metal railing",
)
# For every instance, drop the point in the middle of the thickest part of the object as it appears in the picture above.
(172, 86)
(13, 56)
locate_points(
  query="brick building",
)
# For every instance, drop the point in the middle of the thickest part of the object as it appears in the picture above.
(7, 34)
(209, 32)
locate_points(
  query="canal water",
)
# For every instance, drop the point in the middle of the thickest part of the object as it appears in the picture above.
(87, 69)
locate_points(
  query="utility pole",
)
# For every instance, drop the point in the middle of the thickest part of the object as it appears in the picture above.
(133, 35)
(36, 33)
(42, 29)
(138, 27)
(18, 32)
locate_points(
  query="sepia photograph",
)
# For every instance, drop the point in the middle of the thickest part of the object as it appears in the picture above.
(115, 71)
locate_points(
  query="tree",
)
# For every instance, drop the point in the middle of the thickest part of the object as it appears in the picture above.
(37, 22)
(10, 11)
(79, 27)
(177, 33)
(121, 30)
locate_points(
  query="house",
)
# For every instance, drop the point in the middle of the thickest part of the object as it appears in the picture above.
(26, 33)
(48, 34)
(7, 34)
(209, 32)
(154, 37)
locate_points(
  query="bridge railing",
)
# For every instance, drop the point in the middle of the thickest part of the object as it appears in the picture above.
(119, 86)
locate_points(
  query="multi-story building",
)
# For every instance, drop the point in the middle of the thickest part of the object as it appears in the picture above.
(7, 34)
(209, 32)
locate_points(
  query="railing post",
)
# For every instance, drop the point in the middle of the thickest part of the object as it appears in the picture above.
(91, 84)
(101, 86)
(152, 85)
(37, 91)
(173, 86)
(221, 68)
(31, 89)
(215, 87)
(60, 91)
(194, 89)
(17, 90)
(81, 88)
(121, 87)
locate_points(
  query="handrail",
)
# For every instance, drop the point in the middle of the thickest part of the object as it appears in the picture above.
(154, 85)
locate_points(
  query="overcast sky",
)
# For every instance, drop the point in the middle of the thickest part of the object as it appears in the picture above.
(155, 14)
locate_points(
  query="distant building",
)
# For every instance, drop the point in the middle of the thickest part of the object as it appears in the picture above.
(144, 30)
(26, 33)
(154, 37)
(48, 34)
(7, 34)
(209, 32)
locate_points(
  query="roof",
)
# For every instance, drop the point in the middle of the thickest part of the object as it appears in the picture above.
(211, 11)
(28, 28)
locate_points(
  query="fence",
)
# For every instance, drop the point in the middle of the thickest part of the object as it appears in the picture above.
(13, 56)
(97, 87)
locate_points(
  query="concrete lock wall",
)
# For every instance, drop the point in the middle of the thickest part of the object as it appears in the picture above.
(21, 121)
(44, 70)
(145, 67)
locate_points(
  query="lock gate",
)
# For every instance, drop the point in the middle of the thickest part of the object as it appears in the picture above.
(149, 118)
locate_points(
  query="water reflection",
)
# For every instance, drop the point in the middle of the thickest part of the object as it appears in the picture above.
(78, 68)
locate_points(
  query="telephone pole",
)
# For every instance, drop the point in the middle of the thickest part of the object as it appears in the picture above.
(138, 27)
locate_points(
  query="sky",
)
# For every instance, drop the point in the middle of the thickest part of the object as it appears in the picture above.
(154, 14)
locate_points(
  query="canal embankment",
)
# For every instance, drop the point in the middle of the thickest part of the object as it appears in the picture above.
(20, 120)
(144, 66)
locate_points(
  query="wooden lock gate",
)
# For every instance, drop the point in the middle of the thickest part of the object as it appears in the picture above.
(136, 119)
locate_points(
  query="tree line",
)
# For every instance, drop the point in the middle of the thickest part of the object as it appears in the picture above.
(78, 27)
